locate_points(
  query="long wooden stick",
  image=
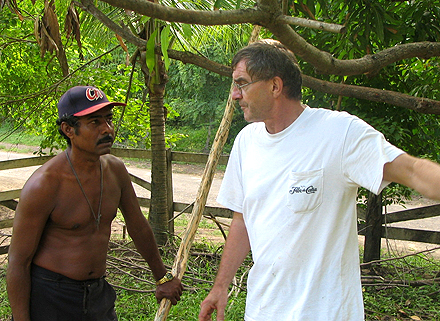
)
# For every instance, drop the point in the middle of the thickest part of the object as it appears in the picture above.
(181, 260)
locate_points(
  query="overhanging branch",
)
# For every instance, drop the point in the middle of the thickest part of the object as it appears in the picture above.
(421, 105)
(320, 59)
(313, 24)
(325, 63)
(199, 17)
(277, 23)
(88, 6)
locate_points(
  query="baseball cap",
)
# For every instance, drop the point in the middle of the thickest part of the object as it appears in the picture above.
(83, 100)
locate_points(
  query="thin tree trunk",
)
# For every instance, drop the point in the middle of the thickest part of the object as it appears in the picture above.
(158, 215)
(158, 206)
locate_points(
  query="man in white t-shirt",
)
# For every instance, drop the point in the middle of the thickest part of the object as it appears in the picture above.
(292, 181)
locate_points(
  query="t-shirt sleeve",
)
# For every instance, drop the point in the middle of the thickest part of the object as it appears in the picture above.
(231, 190)
(365, 153)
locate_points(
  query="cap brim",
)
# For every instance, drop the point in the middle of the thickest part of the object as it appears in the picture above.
(97, 107)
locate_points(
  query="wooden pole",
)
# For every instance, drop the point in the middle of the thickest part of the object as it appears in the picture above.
(169, 185)
(181, 260)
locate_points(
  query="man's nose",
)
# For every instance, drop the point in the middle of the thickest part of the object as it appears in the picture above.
(107, 126)
(236, 93)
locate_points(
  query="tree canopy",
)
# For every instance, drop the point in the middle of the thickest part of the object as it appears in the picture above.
(343, 47)
(377, 59)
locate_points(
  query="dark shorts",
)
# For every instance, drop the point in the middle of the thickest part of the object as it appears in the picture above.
(55, 297)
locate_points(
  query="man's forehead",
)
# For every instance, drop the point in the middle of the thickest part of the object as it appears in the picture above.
(240, 71)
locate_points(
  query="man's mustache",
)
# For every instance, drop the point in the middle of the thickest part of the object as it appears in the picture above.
(106, 139)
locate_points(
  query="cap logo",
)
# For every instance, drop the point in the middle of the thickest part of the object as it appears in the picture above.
(93, 94)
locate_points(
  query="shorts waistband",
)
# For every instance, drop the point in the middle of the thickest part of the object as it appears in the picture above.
(40, 272)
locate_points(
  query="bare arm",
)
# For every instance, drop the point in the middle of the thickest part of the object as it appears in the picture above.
(143, 237)
(30, 219)
(419, 174)
(236, 249)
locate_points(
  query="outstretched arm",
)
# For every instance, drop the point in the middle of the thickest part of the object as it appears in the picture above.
(419, 174)
(236, 248)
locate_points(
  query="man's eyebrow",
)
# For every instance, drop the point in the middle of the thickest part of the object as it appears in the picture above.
(100, 116)
(240, 79)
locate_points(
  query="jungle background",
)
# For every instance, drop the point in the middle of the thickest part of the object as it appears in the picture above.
(179, 57)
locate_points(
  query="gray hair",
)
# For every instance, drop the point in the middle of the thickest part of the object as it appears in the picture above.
(269, 58)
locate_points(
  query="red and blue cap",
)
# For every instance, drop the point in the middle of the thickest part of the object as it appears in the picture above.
(83, 100)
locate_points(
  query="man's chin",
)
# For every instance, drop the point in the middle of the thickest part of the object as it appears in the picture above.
(105, 147)
(248, 118)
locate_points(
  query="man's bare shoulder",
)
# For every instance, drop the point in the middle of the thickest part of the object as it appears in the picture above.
(112, 160)
(48, 176)
(114, 163)
(41, 191)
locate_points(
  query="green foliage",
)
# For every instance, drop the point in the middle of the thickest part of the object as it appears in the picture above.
(35, 114)
(423, 25)
(198, 95)
(194, 139)
(5, 309)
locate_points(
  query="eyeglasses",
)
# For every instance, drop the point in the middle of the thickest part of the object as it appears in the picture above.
(240, 87)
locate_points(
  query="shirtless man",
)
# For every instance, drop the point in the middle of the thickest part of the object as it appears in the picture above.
(62, 225)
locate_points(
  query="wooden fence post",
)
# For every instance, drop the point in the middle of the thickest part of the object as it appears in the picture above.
(169, 185)
(373, 230)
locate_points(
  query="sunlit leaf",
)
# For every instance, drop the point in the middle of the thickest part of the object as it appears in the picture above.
(150, 54)
(164, 44)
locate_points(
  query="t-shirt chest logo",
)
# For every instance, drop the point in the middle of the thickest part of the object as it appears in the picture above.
(305, 191)
(302, 189)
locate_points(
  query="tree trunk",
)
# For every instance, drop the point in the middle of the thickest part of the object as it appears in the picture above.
(158, 206)
(159, 213)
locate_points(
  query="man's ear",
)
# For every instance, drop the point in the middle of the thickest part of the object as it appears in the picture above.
(277, 86)
(67, 129)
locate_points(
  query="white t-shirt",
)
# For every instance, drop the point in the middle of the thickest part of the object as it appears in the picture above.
(297, 192)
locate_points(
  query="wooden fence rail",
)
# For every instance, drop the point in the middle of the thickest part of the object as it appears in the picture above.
(8, 198)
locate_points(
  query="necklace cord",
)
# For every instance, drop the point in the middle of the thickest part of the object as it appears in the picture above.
(96, 217)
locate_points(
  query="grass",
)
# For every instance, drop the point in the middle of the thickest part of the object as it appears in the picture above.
(200, 273)
(410, 290)
(393, 298)
(17, 138)
(194, 139)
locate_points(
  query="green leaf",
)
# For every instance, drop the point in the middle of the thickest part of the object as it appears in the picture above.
(164, 44)
(144, 19)
(218, 4)
(150, 54)
(187, 31)
(379, 26)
